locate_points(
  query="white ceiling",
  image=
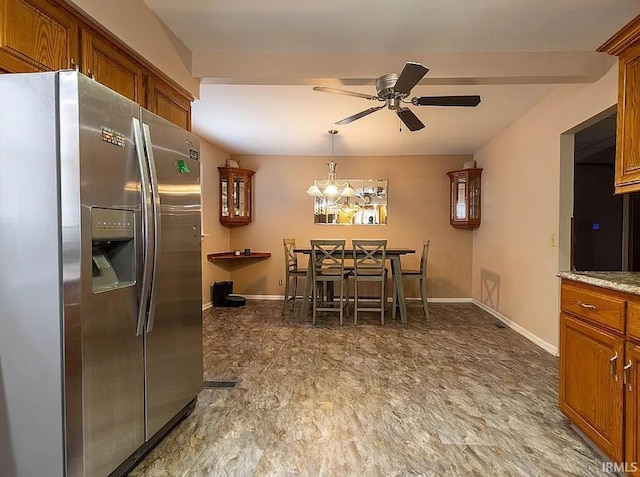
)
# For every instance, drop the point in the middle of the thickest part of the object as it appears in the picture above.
(260, 59)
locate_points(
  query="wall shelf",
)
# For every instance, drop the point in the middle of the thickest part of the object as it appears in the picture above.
(225, 256)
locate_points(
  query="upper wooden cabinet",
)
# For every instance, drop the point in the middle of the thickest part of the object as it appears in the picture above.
(49, 35)
(235, 195)
(36, 35)
(165, 101)
(464, 205)
(626, 45)
(109, 66)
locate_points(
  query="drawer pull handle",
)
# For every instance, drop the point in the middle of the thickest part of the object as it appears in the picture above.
(624, 373)
(588, 306)
(612, 366)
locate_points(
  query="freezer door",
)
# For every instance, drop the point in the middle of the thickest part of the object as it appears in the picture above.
(111, 246)
(174, 327)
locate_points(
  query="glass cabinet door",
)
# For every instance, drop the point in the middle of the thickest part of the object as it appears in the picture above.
(235, 195)
(224, 196)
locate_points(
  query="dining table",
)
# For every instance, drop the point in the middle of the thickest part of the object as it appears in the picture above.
(392, 254)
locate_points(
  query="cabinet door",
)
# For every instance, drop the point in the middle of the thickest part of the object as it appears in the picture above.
(632, 405)
(35, 36)
(111, 67)
(168, 103)
(628, 134)
(591, 388)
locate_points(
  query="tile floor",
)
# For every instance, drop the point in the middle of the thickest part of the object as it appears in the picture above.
(455, 396)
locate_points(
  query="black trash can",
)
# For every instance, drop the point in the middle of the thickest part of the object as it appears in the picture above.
(220, 291)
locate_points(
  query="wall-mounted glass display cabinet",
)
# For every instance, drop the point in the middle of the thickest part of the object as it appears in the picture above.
(235, 195)
(465, 198)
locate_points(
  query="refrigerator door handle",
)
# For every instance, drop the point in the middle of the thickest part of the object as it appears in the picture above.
(146, 226)
(156, 224)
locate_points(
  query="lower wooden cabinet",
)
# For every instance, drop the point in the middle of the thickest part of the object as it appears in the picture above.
(631, 378)
(600, 368)
(591, 387)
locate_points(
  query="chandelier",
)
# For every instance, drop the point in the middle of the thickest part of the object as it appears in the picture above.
(331, 188)
(333, 197)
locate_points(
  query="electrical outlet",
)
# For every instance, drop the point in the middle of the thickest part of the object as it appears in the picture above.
(279, 282)
(553, 240)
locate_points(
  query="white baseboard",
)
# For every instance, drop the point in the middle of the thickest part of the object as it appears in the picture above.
(265, 297)
(206, 306)
(517, 328)
(445, 300)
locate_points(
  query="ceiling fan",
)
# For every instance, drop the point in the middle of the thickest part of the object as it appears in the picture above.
(393, 89)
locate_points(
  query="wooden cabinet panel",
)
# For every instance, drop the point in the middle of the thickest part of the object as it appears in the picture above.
(628, 134)
(591, 392)
(626, 45)
(594, 304)
(111, 67)
(632, 406)
(633, 320)
(36, 36)
(168, 103)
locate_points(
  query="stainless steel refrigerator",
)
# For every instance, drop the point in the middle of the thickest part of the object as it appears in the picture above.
(100, 277)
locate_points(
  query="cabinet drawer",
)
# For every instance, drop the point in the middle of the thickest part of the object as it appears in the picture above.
(594, 304)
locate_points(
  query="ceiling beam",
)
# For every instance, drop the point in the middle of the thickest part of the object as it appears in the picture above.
(358, 70)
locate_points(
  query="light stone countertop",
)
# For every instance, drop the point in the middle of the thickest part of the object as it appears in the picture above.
(628, 282)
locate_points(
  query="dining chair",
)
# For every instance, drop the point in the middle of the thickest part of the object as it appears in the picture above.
(417, 275)
(291, 274)
(327, 260)
(369, 266)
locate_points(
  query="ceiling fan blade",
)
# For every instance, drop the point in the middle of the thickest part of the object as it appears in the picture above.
(359, 115)
(466, 101)
(324, 89)
(409, 119)
(411, 74)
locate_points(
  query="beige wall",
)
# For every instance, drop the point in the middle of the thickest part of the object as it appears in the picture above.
(216, 237)
(516, 247)
(418, 210)
(133, 22)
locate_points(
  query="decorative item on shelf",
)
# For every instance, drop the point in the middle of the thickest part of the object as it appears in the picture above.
(235, 195)
(465, 198)
(237, 253)
(247, 251)
(338, 202)
(233, 164)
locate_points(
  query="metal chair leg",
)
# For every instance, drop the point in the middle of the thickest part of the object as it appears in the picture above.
(383, 301)
(286, 296)
(355, 302)
(423, 296)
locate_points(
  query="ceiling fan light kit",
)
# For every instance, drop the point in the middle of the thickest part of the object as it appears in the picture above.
(393, 89)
